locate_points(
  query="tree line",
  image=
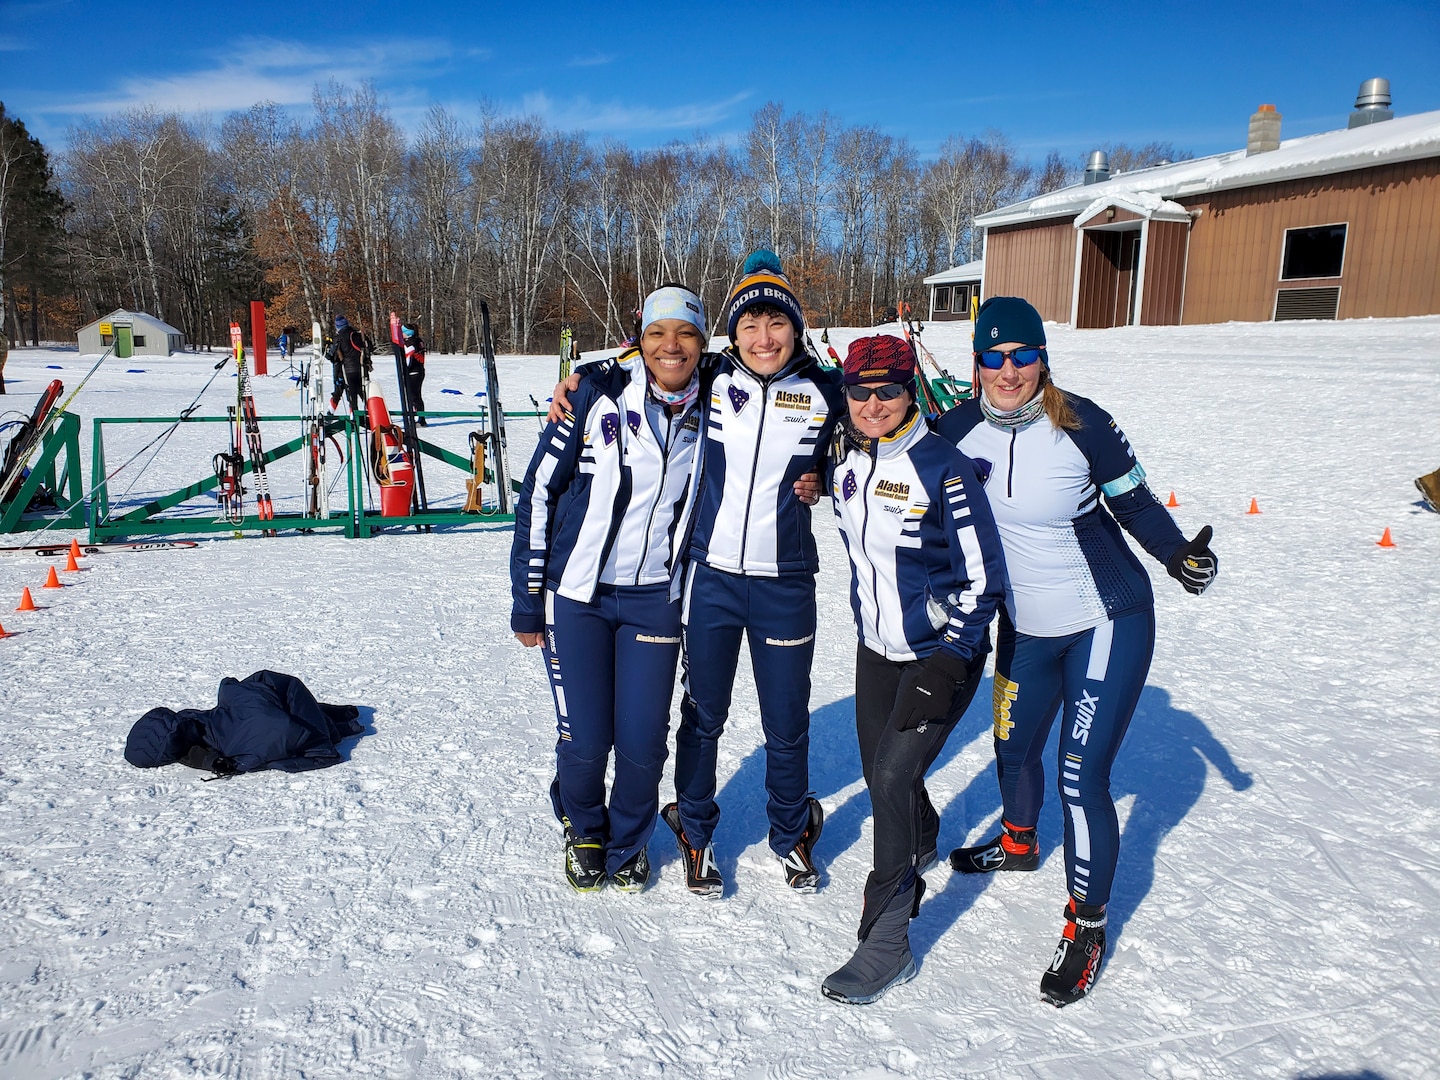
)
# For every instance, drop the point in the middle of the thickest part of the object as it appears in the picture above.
(189, 220)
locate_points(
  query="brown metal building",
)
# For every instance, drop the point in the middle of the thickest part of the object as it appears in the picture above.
(1344, 224)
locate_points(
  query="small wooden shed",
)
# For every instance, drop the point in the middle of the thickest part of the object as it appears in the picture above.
(133, 333)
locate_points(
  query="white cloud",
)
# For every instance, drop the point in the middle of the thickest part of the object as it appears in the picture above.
(594, 60)
(259, 69)
(581, 114)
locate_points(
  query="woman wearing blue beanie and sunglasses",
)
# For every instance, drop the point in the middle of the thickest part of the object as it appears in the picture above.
(1077, 631)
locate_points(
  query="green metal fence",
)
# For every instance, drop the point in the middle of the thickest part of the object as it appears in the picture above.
(353, 518)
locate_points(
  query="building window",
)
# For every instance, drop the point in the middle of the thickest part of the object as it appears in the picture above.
(139, 341)
(962, 300)
(942, 297)
(1313, 253)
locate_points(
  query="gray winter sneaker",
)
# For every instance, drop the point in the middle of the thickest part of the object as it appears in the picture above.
(883, 959)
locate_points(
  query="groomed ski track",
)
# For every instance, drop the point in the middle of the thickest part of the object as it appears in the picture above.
(1277, 909)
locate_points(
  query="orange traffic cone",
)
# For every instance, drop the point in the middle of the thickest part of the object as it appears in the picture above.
(5, 633)
(1172, 503)
(52, 581)
(1254, 507)
(71, 566)
(27, 602)
(75, 552)
(1385, 540)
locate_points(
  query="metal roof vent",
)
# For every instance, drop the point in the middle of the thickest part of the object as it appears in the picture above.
(1372, 103)
(1097, 168)
(1264, 131)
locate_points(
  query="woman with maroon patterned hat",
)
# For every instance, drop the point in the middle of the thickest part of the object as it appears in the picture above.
(926, 577)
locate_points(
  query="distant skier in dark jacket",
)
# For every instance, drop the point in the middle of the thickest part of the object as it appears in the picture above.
(350, 351)
(414, 370)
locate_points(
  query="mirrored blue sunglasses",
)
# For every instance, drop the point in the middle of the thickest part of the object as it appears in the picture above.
(994, 359)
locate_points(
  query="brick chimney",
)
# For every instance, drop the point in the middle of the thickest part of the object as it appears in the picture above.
(1264, 131)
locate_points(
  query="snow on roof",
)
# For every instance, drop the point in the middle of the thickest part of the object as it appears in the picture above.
(969, 271)
(1405, 138)
(1145, 203)
(150, 320)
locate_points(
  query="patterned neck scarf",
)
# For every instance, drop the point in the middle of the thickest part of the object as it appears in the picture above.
(682, 398)
(1028, 413)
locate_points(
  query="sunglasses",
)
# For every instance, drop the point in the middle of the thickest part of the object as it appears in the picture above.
(994, 359)
(888, 392)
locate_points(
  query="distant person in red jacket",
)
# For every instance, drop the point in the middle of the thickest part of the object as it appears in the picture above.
(414, 370)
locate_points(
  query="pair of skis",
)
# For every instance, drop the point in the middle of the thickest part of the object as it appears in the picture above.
(245, 426)
(24, 442)
(32, 431)
(418, 500)
(495, 412)
(312, 409)
(54, 551)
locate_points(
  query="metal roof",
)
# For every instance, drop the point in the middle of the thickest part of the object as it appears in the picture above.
(1405, 138)
(970, 271)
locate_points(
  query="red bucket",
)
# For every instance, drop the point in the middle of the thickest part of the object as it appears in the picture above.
(395, 496)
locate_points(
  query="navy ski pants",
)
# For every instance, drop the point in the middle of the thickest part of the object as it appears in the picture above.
(1097, 676)
(612, 671)
(777, 615)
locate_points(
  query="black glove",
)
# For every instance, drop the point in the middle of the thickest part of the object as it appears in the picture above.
(927, 689)
(1194, 565)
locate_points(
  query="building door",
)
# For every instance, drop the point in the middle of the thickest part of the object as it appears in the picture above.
(1109, 260)
(1126, 279)
(124, 341)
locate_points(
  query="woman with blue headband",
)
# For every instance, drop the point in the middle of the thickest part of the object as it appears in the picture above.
(594, 558)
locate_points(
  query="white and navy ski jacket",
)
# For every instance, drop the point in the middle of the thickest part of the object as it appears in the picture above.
(761, 435)
(605, 495)
(1070, 568)
(926, 566)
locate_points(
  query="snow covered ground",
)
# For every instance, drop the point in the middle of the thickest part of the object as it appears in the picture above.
(1277, 911)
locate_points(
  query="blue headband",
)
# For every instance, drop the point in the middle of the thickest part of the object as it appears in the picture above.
(674, 302)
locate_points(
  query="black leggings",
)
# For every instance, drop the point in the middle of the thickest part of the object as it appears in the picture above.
(895, 763)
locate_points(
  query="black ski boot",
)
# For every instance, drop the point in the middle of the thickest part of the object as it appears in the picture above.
(1013, 849)
(584, 861)
(634, 873)
(799, 865)
(883, 959)
(1078, 956)
(702, 877)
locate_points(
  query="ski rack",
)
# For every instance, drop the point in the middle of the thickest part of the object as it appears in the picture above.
(62, 437)
(355, 520)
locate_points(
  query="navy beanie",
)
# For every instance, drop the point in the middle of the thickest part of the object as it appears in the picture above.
(1007, 318)
(763, 282)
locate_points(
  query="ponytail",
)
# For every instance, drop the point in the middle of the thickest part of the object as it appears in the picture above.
(1057, 405)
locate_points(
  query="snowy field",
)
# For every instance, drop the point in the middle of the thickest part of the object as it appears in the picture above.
(1277, 909)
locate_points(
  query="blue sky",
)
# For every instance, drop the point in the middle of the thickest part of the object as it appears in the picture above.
(1064, 76)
